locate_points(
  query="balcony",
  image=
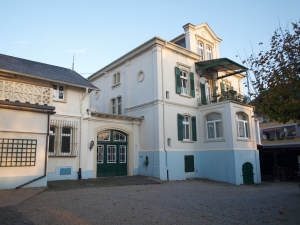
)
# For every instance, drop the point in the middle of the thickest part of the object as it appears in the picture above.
(25, 93)
(228, 95)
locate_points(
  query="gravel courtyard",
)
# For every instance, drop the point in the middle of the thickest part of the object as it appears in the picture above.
(183, 202)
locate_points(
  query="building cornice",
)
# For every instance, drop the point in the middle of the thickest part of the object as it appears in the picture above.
(117, 117)
(156, 41)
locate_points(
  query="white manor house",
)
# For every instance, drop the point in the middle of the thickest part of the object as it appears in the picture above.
(167, 109)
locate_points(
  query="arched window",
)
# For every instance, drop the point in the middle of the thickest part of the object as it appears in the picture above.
(214, 126)
(208, 52)
(201, 50)
(242, 120)
(118, 136)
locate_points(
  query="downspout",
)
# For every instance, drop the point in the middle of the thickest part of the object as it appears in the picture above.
(46, 156)
(80, 133)
(163, 98)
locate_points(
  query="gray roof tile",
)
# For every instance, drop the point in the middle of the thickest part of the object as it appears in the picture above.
(43, 71)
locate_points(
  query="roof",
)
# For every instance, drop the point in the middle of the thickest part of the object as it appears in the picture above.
(43, 71)
(27, 107)
(220, 65)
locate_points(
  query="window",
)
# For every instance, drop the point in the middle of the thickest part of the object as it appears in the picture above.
(201, 50)
(189, 163)
(214, 126)
(186, 128)
(116, 79)
(52, 139)
(62, 138)
(111, 154)
(104, 136)
(116, 105)
(122, 153)
(141, 76)
(184, 82)
(242, 125)
(119, 99)
(100, 154)
(113, 106)
(208, 52)
(58, 92)
(66, 137)
(119, 136)
(279, 133)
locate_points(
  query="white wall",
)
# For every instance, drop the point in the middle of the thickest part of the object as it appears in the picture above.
(23, 125)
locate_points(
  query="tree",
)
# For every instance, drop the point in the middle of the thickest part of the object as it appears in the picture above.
(277, 77)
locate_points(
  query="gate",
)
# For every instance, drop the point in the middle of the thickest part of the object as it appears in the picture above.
(112, 153)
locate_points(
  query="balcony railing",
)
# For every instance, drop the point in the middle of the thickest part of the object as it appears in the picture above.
(224, 96)
(25, 93)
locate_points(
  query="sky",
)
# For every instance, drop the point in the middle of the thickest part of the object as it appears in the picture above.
(98, 32)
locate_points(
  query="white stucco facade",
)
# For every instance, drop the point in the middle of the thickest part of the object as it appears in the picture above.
(156, 100)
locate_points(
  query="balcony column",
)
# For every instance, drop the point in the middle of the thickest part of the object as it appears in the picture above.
(214, 86)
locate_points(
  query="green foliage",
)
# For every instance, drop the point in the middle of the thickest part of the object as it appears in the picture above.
(277, 77)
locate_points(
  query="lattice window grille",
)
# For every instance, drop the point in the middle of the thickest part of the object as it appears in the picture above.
(17, 152)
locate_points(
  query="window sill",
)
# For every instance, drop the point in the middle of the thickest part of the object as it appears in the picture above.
(244, 139)
(187, 141)
(59, 100)
(186, 96)
(190, 172)
(116, 85)
(62, 156)
(214, 140)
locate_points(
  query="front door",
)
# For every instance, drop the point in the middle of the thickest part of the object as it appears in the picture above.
(248, 176)
(112, 153)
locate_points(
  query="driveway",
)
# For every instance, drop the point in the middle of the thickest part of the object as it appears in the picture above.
(182, 202)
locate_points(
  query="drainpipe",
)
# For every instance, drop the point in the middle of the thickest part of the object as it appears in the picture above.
(163, 98)
(80, 133)
(46, 156)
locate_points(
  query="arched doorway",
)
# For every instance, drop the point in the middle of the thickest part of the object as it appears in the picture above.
(112, 149)
(248, 176)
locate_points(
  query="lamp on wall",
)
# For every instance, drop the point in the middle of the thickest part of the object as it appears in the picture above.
(92, 143)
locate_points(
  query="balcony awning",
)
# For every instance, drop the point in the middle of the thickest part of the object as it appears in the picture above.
(225, 65)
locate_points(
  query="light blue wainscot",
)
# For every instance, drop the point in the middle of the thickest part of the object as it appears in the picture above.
(218, 165)
(13, 182)
(67, 173)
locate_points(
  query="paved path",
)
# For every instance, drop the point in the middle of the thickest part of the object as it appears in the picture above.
(186, 202)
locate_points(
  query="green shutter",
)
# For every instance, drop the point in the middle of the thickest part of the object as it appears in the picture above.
(177, 77)
(222, 87)
(189, 163)
(180, 127)
(192, 84)
(194, 128)
(203, 95)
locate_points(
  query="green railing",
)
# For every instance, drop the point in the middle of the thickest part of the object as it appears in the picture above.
(225, 96)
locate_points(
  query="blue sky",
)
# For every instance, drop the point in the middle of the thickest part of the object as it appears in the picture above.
(98, 32)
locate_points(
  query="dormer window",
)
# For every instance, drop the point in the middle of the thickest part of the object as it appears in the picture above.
(116, 79)
(58, 92)
(201, 50)
(208, 52)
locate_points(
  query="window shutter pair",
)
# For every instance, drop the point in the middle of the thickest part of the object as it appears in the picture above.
(180, 127)
(178, 82)
(203, 94)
